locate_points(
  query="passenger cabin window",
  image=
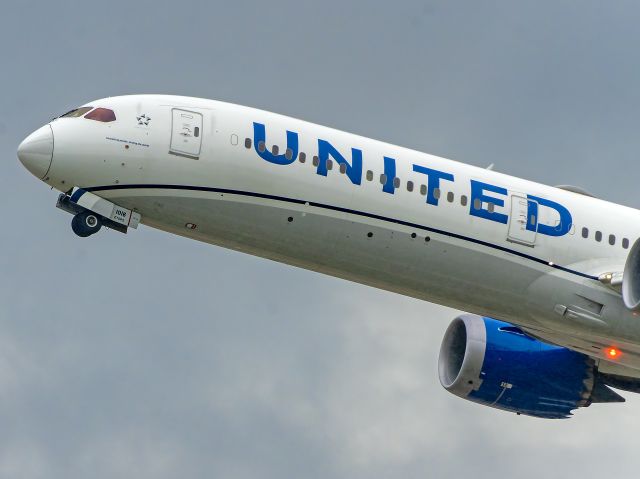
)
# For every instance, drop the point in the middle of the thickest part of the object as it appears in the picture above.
(396, 182)
(247, 143)
(450, 197)
(103, 115)
(598, 236)
(612, 240)
(463, 200)
(369, 175)
(302, 157)
(585, 232)
(409, 185)
(625, 243)
(78, 112)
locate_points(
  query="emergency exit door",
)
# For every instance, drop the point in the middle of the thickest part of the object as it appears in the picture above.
(186, 133)
(523, 223)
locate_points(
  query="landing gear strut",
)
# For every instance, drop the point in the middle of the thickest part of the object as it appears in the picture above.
(86, 224)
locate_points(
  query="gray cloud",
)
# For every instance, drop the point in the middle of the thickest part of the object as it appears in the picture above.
(149, 355)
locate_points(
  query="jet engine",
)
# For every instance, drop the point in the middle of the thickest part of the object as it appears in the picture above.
(497, 364)
(631, 279)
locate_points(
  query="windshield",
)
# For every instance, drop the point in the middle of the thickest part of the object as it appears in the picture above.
(102, 114)
(77, 112)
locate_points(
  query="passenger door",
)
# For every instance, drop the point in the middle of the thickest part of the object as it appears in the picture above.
(186, 133)
(519, 219)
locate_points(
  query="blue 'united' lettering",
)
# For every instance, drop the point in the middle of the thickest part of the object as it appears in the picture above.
(482, 193)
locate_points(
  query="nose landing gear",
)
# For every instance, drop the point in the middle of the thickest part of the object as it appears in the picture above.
(85, 224)
(91, 212)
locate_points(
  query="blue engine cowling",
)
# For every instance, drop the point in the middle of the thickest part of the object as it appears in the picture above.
(496, 364)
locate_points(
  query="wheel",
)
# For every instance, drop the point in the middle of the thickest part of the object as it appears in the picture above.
(86, 224)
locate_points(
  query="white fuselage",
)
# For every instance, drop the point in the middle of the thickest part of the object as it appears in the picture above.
(430, 228)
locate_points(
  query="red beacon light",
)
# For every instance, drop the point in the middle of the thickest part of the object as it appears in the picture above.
(613, 353)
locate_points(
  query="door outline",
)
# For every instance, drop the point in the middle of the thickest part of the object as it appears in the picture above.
(519, 220)
(186, 133)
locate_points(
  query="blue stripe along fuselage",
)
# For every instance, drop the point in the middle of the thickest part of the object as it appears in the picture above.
(342, 210)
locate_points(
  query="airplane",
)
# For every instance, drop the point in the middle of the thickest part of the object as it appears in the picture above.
(549, 276)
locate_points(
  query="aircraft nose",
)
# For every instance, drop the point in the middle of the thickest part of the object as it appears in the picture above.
(36, 151)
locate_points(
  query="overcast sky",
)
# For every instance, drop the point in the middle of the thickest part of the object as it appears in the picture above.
(152, 356)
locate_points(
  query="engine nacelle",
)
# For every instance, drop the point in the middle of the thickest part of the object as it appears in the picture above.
(496, 364)
(631, 279)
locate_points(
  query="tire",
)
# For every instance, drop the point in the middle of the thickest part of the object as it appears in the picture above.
(86, 224)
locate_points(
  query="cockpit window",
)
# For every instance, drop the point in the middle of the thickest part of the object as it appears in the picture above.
(77, 112)
(102, 114)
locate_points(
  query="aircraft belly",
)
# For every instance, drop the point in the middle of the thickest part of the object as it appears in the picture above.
(442, 269)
